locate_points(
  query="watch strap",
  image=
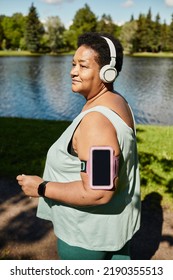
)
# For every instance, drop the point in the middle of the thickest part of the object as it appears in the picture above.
(42, 188)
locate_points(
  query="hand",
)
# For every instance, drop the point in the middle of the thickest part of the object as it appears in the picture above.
(29, 184)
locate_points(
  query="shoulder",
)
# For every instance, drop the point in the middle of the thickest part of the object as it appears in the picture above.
(98, 116)
(96, 122)
(95, 129)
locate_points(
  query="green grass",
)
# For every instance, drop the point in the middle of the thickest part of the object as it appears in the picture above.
(18, 53)
(27, 53)
(156, 161)
(24, 144)
(150, 54)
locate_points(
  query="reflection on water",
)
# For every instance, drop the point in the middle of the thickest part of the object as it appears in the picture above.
(40, 87)
(37, 88)
(147, 84)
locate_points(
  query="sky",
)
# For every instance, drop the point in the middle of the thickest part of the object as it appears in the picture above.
(120, 10)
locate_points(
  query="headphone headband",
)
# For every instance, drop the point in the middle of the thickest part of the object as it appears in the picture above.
(112, 51)
(108, 73)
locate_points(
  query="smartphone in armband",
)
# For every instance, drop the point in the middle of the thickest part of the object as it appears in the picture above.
(102, 167)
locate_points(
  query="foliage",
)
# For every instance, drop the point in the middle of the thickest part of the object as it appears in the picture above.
(13, 30)
(170, 34)
(54, 31)
(143, 34)
(165, 37)
(2, 35)
(152, 36)
(33, 31)
(127, 35)
(84, 20)
(107, 25)
(70, 39)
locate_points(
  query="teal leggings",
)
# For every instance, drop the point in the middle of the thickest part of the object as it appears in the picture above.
(68, 252)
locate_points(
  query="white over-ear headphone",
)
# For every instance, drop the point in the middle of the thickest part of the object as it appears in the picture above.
(108, 72)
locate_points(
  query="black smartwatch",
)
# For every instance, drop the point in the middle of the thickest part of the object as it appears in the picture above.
(42, 188)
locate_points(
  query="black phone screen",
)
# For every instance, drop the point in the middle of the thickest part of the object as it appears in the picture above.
(101, 168)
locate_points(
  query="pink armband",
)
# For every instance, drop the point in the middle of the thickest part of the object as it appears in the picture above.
(102, 167)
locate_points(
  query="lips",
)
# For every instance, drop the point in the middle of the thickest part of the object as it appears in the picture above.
(74, 81)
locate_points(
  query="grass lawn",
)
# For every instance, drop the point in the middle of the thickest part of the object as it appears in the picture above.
(17, 53)
(150, 54)
(156, 161)
(27, 53)
(24, 145)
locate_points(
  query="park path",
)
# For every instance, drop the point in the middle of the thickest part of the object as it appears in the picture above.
(24, 236)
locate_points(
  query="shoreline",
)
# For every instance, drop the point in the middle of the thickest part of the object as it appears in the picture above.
(154, 55)
(19, 53)
(69, 121)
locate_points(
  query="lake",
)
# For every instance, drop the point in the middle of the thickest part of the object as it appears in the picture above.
(40, 88)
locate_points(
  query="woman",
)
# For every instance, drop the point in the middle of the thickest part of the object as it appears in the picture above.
(92, 223)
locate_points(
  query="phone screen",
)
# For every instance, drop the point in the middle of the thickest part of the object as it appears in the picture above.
(101, 168)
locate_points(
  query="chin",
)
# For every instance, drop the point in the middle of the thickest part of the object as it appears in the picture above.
(74, 90)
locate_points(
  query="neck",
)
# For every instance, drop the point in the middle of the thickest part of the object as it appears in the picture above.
(97, 96)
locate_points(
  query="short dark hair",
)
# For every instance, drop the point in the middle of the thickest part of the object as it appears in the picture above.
(96, 42)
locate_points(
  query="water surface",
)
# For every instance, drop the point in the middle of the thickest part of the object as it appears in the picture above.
(40, 88)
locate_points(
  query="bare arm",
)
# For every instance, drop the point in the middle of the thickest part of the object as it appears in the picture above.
(95, 129)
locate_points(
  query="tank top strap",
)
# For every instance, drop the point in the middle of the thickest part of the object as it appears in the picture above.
(114, 118)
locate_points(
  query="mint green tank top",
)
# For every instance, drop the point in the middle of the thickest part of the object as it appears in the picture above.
(105, 227)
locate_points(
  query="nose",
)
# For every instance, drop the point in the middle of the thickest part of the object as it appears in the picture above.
(74, 71)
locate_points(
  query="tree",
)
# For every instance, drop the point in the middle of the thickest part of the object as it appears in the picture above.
(13, 28)
(149, 17)
(170, 35)
(148, 31)
(34, 30)
(156, 38)
(28, 32)
(164, 37)
(4, 45)
(106, 24)
(139, 42)
(8, 30)
(54, 30)
(1, 31)
(144, 34)
(132, 18)
(84, 21)
(70, 39)
(127, 35)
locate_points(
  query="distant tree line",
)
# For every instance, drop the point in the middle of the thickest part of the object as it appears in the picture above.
(29, 33)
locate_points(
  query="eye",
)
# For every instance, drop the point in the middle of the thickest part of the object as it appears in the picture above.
(83, 66)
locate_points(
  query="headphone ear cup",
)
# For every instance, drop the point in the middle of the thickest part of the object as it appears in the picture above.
(108, 74)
